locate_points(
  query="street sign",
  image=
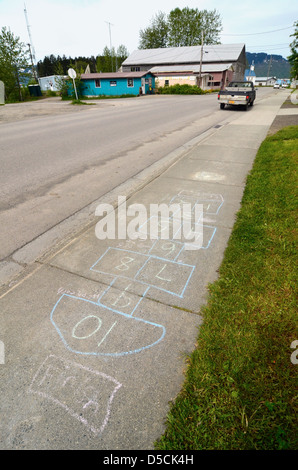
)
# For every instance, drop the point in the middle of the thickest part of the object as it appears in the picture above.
(2, 100)
(72, 74)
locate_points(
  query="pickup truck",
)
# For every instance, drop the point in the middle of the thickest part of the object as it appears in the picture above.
(237, 93)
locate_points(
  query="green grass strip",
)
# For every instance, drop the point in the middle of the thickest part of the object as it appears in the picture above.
(239, 390)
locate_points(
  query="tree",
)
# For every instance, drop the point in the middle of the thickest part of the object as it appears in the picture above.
(61, 82)
(211, 26)
(155, 35)
(293, 58)
(122, 53)
(14, 59)
(104, 61)
(181, 28)
(184, 27)
(110, 60)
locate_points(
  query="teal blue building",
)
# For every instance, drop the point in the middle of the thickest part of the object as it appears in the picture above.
(117, 83)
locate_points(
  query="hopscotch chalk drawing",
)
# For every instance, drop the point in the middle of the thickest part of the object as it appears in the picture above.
(85, 394)
(99, 330)
(110, 325)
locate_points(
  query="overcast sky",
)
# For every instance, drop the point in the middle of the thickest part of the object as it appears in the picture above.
(81, 27)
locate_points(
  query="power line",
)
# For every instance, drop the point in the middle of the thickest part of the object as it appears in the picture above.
(255, 34)
(271, 45)
(268, 48)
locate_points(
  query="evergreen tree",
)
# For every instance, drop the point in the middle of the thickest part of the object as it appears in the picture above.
(111, 60)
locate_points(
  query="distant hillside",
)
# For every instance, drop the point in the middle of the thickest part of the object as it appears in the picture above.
(280, 67)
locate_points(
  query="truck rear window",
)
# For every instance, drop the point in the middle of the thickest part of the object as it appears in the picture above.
(241, 84)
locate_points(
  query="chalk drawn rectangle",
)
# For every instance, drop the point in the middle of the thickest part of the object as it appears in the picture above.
(161, 227)
(201, 236)
(137, 246)
(166, 249)
(85, 394)
(123, 300)
(118, 262)
(188, 199)
(212, 203)
(166, 275)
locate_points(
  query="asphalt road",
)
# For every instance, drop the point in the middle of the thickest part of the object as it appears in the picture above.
(94, 337)
(53, 166)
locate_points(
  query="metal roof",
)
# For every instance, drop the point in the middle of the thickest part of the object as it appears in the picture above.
(264, 79)
(182, 55)
(206, 68)
(87, 76)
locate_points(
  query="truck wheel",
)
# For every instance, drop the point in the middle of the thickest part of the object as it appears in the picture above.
(246, 106)
(222, 105)
(251, 103)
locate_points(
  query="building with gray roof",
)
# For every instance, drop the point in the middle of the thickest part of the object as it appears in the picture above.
(226, 61)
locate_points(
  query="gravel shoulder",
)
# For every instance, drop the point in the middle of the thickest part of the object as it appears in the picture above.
(44, 107)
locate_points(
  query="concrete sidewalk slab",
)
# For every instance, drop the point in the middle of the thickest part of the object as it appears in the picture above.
(67, 390)
(96, 336)
(240, 135)
(222, 153)
(287, 111)
(230, 173)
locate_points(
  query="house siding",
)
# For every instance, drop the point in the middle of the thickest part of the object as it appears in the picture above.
(120, 87)
(239, 67)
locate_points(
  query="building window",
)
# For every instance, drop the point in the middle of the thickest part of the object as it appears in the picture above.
(130, 82)
(113, 83)
(135, 69)
(210, 82)
(97, 83)
(167, 82)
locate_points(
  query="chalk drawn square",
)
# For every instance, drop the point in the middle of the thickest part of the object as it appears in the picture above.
(212, 203)
(166, 249)
(137, 246)
(161, 227)
(123, 300)
(200, 237)
(184, 199)
(166, 275)
(85, 394)
(118, 262)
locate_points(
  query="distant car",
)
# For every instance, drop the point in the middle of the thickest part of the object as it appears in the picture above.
(276, 85)
(284, 85)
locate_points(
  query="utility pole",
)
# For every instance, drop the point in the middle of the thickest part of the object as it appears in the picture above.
(269, 67)
(110, 24)
(200, 73)
(32, 63)
(31, 48)
(251, 68)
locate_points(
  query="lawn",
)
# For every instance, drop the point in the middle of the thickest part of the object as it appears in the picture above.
(240, 382)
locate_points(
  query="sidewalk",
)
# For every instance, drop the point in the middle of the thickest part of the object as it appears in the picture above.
(95, 337)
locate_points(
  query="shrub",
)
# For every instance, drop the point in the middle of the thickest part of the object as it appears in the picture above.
(178, 89)
(50, 93)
